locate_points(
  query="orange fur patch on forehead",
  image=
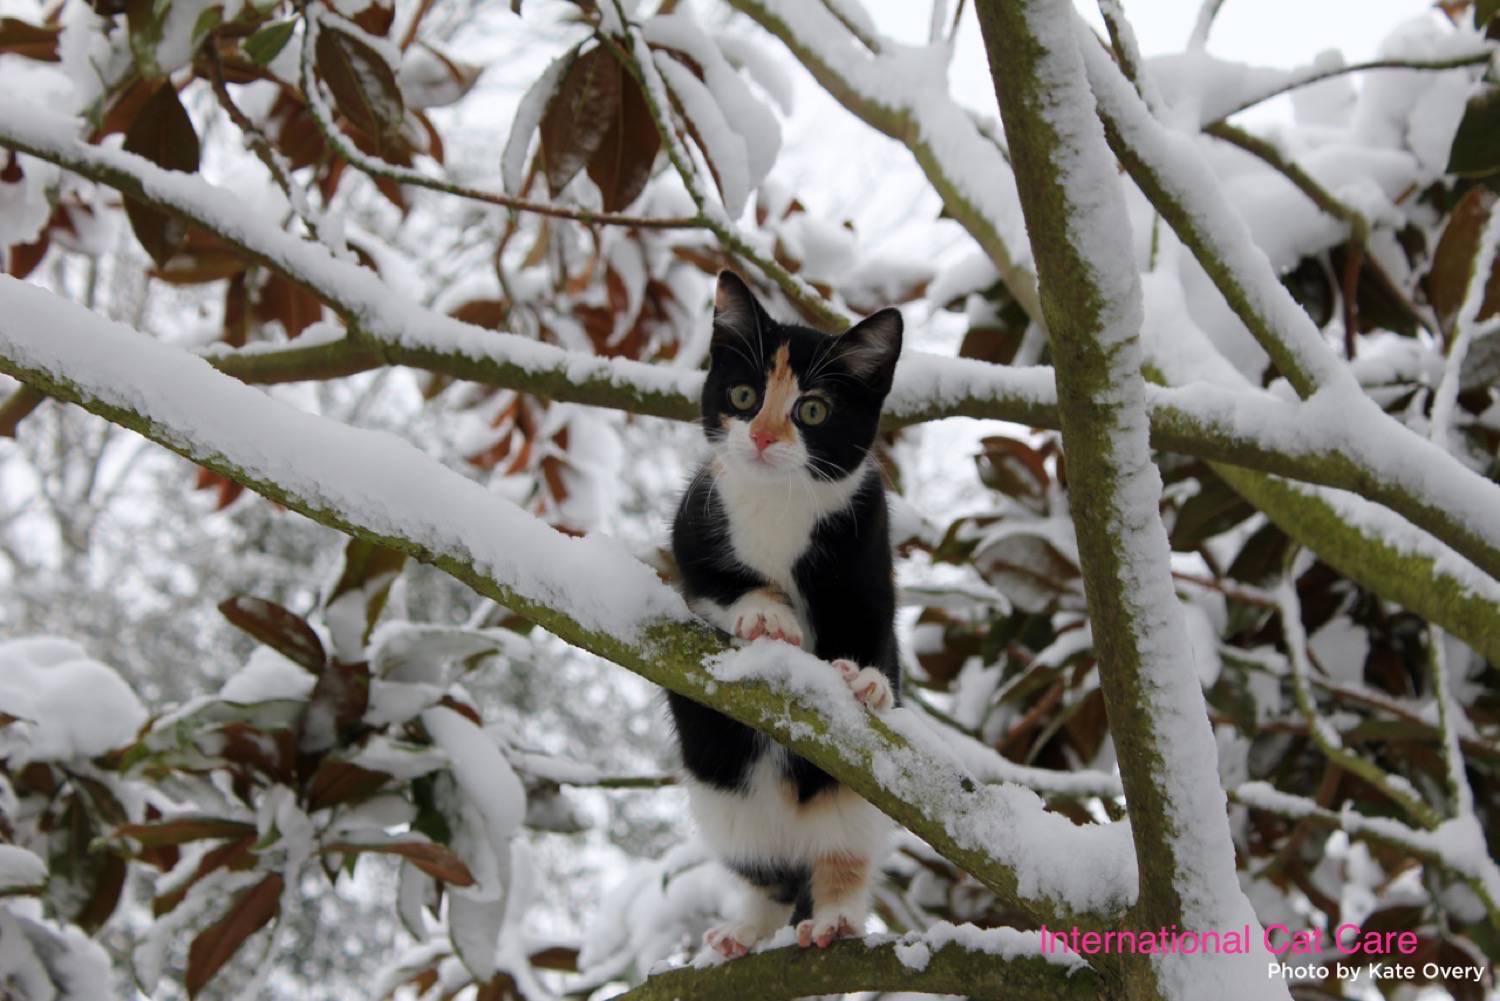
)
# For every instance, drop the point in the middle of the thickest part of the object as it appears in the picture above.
(775, 416)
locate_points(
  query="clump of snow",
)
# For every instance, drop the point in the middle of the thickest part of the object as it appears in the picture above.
(267, 675)
(20, 869)
(67, 704)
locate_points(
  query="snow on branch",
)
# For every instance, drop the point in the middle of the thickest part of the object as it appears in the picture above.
(589, 592)
(902, 92)
(1248, 429)
(1080, 238)
(984, 964)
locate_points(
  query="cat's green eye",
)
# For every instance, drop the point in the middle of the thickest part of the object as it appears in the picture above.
(812, 410)
(743, 396)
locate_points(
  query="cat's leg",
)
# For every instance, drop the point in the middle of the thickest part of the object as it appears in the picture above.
(757, 916)
(841, 899)
(869, 684)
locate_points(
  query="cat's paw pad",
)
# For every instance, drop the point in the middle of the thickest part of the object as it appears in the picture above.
(730, 941)
(868, 684)
(822, 930)
(757, 615)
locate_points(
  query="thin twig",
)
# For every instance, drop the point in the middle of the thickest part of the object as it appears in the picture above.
(1455, 62)
(312, 19)
(630, 49)
(1323, 734)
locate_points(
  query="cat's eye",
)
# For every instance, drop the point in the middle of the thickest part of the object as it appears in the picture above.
(812, 410)
(743, 396)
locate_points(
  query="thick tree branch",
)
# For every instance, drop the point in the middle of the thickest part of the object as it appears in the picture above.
(783, 974)
(1227, 428)
(1091, 295)
(378, 488)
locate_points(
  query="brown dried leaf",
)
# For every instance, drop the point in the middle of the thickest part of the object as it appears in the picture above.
(288, 303)
(163, 134)
(438, 861)
(251, 911)
(20, 38)
(1448, 278)
(277, 628)
(622, 164)
(182, 830)
(364, 88)
(579, 115)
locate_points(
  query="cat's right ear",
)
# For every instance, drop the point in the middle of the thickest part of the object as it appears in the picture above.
(737, 313)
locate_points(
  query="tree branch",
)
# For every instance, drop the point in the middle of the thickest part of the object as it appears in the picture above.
(1224, 427)
(634, 55)
(1091, 295)
(361, 483)
(851, 965)
(1316, 76)
(963, 166)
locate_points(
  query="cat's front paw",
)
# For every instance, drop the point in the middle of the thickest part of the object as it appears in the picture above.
(869, 685)
(759, 614)
(731, 940)
(823, 928)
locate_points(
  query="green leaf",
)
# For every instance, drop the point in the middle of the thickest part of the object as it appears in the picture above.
(162, 133)
(267, 43)
(1484, 12)
(1476, 144)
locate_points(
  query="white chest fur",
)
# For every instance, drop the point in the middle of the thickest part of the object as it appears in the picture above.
(771, 520)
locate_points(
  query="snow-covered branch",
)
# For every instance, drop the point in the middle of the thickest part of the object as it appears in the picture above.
(903, 93)
(1247, 429)
(588, 591)
(993, 964)
(1091, 292)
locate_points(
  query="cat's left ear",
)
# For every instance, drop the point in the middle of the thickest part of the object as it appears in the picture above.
(869, 349)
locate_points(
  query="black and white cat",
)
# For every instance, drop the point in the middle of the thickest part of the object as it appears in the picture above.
(783, 534)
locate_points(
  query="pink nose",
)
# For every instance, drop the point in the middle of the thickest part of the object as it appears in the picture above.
(763, 439)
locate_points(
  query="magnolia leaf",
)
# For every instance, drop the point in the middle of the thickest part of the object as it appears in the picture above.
(163, 134)
(251, 911)
(622, 164)
(267, 43)
(20, 38)
(434, 859)
(1476, 145)
(1453, 259)
(364, 88)
(276, 627)
(369, 571)
(579, 115)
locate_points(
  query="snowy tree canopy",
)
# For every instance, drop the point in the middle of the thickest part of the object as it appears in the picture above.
(351, 351)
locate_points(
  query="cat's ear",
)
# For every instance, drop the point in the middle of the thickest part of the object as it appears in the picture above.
(869, 348)
(737, 313)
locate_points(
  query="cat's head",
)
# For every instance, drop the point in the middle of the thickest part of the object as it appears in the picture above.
(784, 401)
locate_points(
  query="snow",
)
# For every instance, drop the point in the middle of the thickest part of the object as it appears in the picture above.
(268, 675)
(741, 111)
(724, 148)
(67, 704)
(528, 117)
(20, 869)
(378, 481)
(1083, 868)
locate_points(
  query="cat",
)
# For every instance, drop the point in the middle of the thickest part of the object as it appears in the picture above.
(783, 533)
